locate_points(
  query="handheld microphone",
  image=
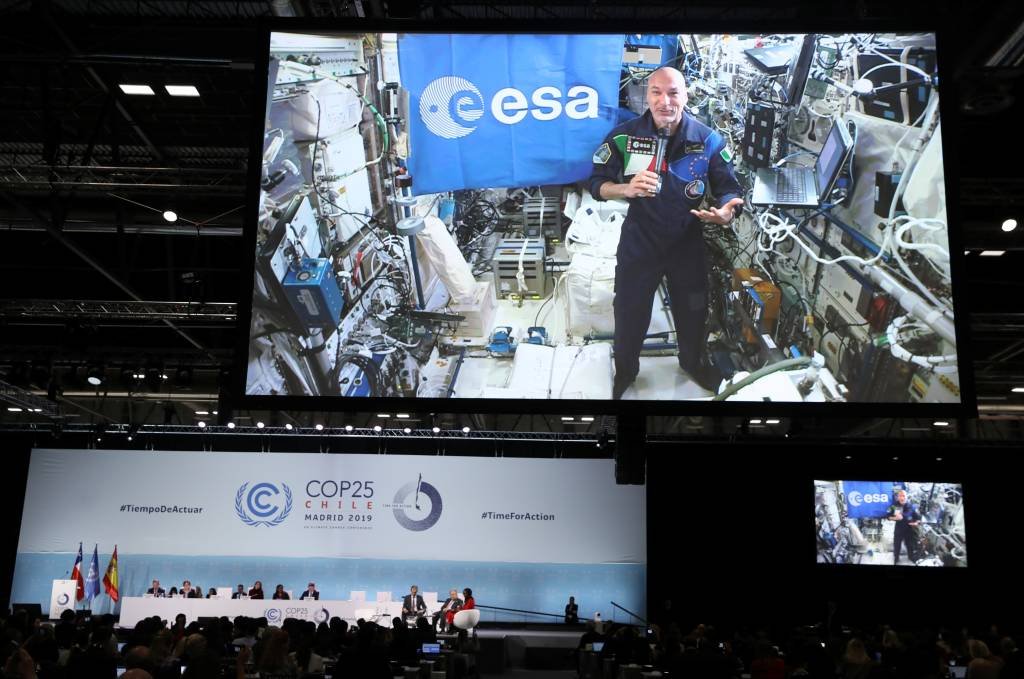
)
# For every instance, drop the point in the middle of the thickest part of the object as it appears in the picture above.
(659, 154)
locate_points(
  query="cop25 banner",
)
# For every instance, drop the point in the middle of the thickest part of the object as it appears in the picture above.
(348, 506)
(507, 110)
(867, 499)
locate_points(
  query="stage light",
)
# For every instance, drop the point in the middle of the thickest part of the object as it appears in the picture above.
(465, 430)
(895, 458)
(182, 90)
(288, 426)
(145, 90)
(938, 459)
(402, 415)
(13, 409)
(94, 376)
(349, 427)
(436, 430)
(993, 253)
(771, 421)
(586, 418)
(260, 425)
(318, 427)
(407, 430)
(941, 423)
(231, 425)
(1018, 390)
(568, 419)
(755, 422)
(202, 425)
(383, 415)
(377, 428)
(1009, 225)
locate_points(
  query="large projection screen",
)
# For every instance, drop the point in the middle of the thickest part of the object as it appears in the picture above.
(723, 218)
(521, 533)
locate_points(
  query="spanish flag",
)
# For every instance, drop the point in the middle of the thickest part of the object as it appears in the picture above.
(110, 577)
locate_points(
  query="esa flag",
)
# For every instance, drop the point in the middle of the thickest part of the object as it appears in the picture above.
(76, 575)
(110, 577)
(92, 580)
(507, 110)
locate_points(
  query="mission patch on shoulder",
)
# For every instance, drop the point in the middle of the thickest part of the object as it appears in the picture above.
(602, 154)
(726, 156)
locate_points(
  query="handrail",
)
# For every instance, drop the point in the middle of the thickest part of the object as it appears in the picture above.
(519, 610)
(621, 608)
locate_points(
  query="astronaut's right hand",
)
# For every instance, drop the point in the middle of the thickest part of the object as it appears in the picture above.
(644, 184)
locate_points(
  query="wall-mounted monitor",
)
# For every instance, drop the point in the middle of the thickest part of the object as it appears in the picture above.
(890, 523)
(728, 219)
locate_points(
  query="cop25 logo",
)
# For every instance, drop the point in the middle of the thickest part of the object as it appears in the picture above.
(857, 498)
(451, 107)
(257, 502)
(425, 502)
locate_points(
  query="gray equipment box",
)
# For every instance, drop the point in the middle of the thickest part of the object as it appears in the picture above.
(513, 254)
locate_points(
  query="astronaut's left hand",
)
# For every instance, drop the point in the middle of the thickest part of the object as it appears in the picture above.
(718, 215)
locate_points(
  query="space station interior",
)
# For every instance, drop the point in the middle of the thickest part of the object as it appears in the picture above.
(853, 527)
(363, 288)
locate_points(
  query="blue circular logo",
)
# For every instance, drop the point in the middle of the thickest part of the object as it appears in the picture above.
(450, 107)
(272, 614)
(261, 505)
(63, 600)
(417, 505)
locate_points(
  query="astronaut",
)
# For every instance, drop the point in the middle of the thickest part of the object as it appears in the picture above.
(662, 235)
(907, 520)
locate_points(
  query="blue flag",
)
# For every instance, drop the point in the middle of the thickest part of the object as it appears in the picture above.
(507, 110)
(868, 499)
(92, 580)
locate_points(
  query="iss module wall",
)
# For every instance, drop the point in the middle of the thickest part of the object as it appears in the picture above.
(902, 523)
(425, 227)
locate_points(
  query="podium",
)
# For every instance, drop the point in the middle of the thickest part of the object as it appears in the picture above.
(62, 597)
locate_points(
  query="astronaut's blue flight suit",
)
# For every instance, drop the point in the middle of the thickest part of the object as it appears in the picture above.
(660, 238)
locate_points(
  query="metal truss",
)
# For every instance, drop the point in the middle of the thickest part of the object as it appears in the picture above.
(16, 397)
(119, 310)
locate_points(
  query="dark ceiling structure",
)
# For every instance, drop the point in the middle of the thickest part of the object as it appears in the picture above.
(94, 279)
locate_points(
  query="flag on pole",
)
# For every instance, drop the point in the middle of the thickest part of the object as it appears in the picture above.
(92, 580)
(110, 578)
(76, 575)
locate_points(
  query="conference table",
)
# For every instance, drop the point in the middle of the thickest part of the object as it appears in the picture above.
(134, 609)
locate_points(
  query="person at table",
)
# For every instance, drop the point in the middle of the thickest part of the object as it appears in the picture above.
(468, 601)
(448, 609)
(257, 590)
(310, 592)
(412, 603)
(279, 593)
(156, 589)
(187, 591)
(239, 593)
(200, 594)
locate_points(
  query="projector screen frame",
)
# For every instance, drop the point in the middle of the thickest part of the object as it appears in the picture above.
(234, 390)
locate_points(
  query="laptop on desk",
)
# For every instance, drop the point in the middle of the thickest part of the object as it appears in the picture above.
(805, 187)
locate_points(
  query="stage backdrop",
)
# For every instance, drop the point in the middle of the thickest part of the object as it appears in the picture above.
(522, 533)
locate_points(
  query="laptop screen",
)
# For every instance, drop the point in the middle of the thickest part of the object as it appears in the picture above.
(431, 649)
(598, 646)
(829, 160)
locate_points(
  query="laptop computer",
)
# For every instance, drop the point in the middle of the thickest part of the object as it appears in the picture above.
(774, 59)
(429, 649)
(793, 186)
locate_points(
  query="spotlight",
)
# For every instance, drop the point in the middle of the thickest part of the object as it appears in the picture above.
(349, 428)
(318, 427)
(170, 216)
(1009, 225)
(465, 430)
(260, 425)
(231, 425)
(377, 428)
(94, 375)
(407, 430)
(436, 430)
(288, 426)
(202, 425)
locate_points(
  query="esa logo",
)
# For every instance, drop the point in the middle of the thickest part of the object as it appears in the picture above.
(263, 504)
(858, 498)
(451, 106)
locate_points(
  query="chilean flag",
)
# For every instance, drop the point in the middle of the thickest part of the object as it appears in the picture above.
(76, 575)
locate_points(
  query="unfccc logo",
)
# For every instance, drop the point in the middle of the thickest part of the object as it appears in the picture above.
(63, 599)
(259, 502)
(451, 106)
(273, 614)
(422, 501)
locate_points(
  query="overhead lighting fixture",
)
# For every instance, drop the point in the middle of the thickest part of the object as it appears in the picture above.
(318, 427)
(465, 430)
(436, 430)
(260, 425)
(568, 419)
(402, 415)
(941, 423)
(231, 425)
(95, 375)
(755, 422)
(170, 216)
(201, 425)
(586, 418)
(349, 427)
(383, 415)
(182, 90)
(993, 253)
(137, 89)
(1009, 225)
(407, 430)
(377, 428)
(771, 421)
(202, 412)
(288, 426)
(1018, 390)
(13, 409)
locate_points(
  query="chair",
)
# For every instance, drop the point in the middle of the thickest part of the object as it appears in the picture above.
(430, 601)
(366, 613)
(356, 596)
(467, 619)
(383, 597)
(290, 595)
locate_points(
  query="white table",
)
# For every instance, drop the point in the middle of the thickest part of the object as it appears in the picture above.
(134, 609)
